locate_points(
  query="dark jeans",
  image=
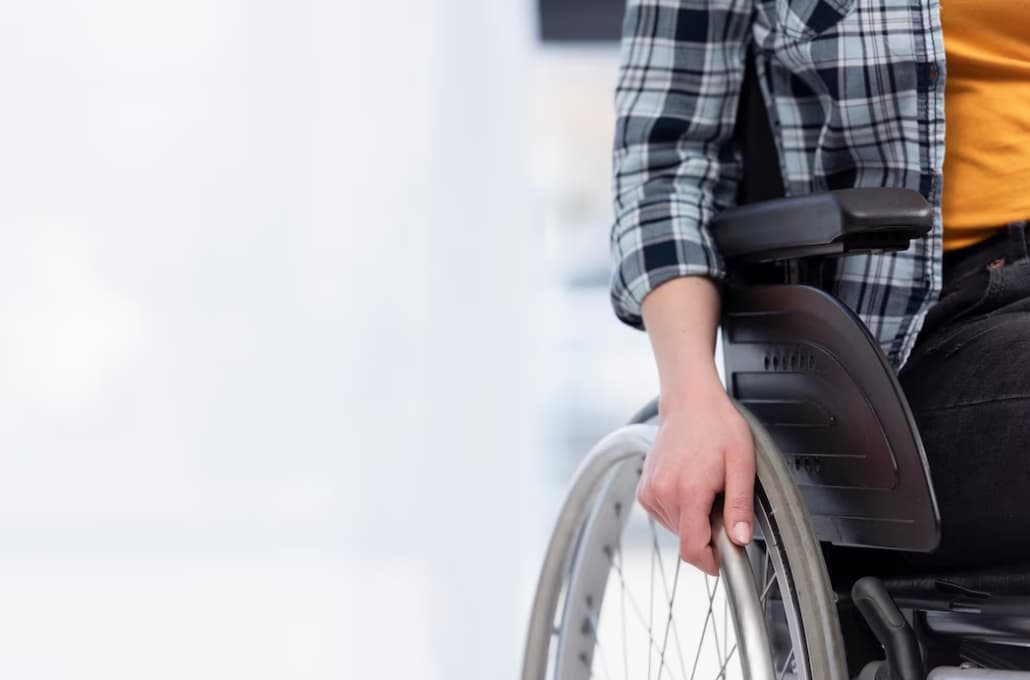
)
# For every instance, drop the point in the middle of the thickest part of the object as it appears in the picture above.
(968, 383)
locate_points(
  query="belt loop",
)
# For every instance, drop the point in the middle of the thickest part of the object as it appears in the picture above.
(1018, 235)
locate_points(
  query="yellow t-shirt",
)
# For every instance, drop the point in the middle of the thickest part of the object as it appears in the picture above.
(987, 116)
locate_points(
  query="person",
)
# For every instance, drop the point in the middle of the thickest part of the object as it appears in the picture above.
(855, 94)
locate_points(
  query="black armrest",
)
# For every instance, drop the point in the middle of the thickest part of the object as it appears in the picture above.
(832, 223)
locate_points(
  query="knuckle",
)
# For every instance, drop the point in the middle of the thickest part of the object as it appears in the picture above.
(645, 497)
(664, 486)
(739, 445)
(740, 431)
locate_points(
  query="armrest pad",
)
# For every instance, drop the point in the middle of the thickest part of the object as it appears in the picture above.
(832, 223)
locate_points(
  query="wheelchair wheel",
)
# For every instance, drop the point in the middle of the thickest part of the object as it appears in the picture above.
(614, 601)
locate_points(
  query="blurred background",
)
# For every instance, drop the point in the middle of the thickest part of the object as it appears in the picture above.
(305, 327)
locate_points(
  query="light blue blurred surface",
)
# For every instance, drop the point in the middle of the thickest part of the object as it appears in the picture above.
(286, 365)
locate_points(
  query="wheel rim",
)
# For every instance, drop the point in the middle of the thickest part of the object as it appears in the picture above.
(779, 601)
(630, 608)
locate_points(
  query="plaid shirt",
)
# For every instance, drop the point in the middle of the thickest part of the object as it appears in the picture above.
(855, 94)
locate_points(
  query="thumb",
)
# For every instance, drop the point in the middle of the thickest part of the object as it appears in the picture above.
(738, 498)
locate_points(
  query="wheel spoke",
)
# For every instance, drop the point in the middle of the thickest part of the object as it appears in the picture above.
(626, 545)
(709, 618)
(660, 650)
(622, 603)
(722, 668)
(766, 561)
(650, 609)
(636, 609)
(665, 588)
(725, 625)
(668, 622)
(765, 592)
(715, 628)
(598, 647)
(625, 645)
(700, 644)
(786, 664)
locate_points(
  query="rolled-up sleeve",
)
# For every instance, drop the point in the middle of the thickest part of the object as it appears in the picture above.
(680, 71)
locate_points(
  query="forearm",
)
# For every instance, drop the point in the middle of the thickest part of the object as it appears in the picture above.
(703, 447)
(681, 317)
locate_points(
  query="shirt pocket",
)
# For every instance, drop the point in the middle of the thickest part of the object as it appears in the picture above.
(803, 19)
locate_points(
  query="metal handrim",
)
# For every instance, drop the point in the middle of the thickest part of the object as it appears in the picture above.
(814, 629)
(589, 522)
(745, 595)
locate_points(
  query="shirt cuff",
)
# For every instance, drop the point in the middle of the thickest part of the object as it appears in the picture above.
(644, 268)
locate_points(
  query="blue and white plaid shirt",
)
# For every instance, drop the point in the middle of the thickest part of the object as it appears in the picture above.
(855, 94)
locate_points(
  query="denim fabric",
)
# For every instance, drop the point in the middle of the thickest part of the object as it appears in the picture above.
(968, 384)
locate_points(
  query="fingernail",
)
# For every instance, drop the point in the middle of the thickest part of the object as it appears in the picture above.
(742, 532)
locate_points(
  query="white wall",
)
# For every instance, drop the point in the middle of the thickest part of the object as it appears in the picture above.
(269, 307)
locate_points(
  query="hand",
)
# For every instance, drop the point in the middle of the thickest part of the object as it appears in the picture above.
(703, 447)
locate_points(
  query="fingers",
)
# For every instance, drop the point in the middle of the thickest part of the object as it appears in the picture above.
(695, 532)
(692, 460)
(738, 498)
(685, 512)
(658, 503)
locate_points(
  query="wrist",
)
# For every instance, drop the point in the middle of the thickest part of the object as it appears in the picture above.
(691, 388)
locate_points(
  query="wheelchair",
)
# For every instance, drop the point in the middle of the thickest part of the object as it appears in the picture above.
(839, 461)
